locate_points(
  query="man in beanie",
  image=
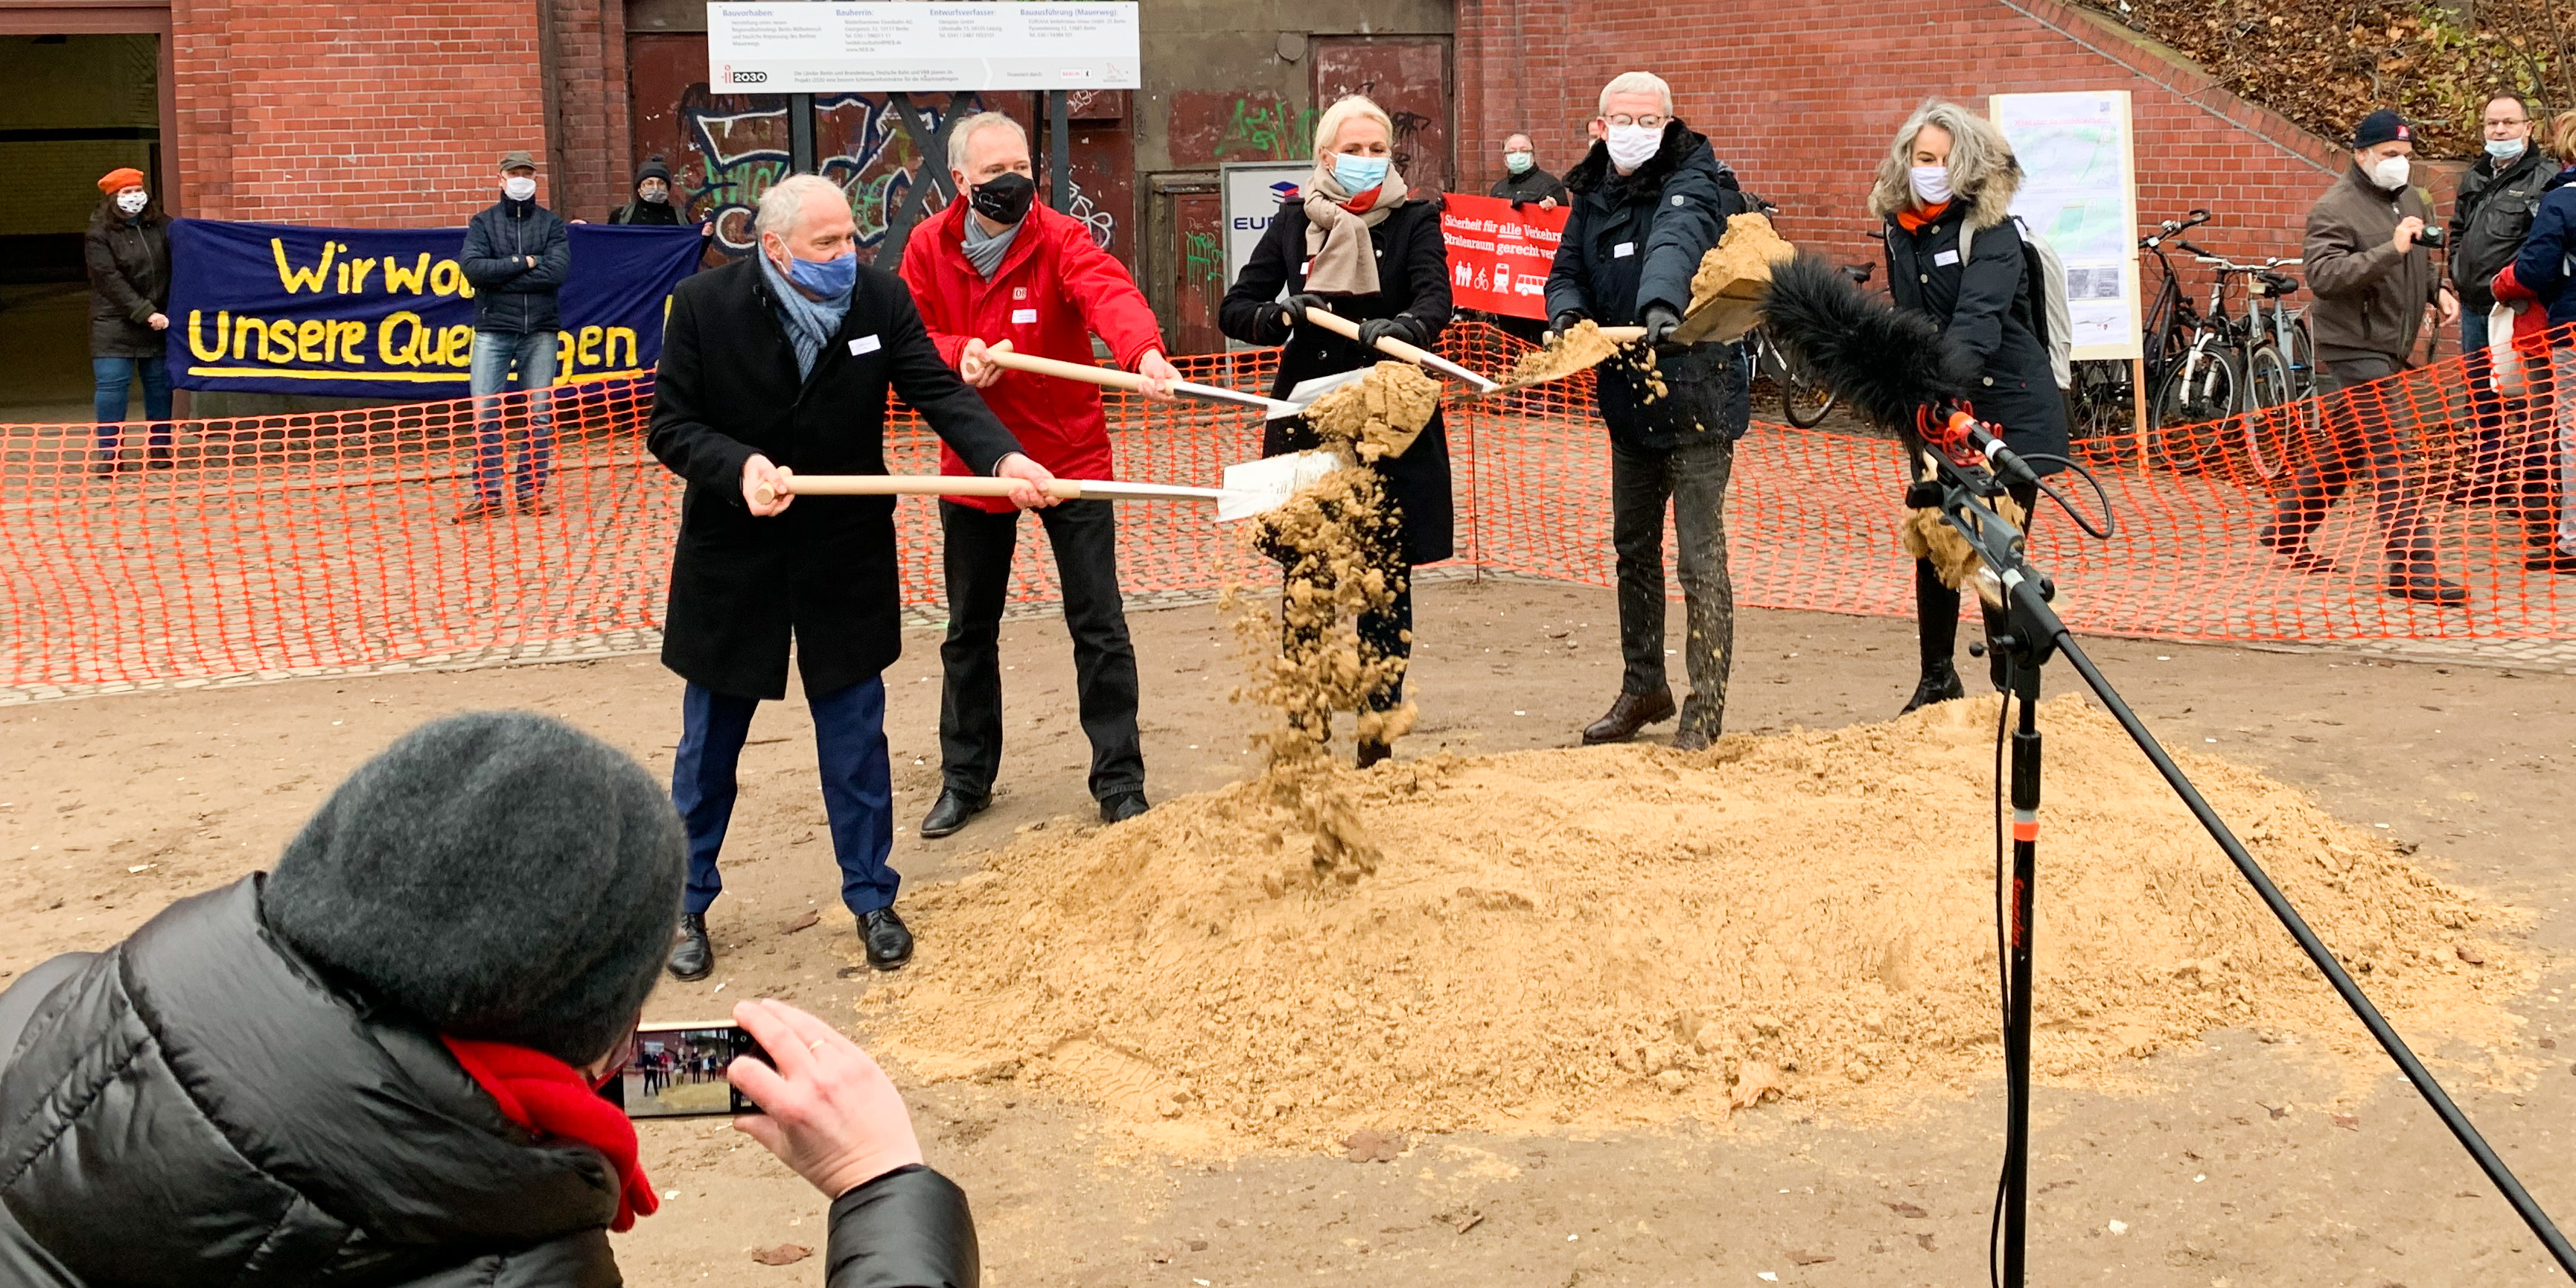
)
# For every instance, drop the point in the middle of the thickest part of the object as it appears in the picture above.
(652, 203)
(380, 1061)
(2377, 288)
(518, 254)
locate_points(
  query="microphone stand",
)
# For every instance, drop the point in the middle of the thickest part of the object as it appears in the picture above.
(2033, 636)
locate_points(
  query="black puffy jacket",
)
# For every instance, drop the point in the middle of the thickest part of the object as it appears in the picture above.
(129, 281)
(1634, 240)
(198, 1106)
(1985, 306)
(510, 295)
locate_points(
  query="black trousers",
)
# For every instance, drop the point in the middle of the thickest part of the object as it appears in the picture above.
(979, 549)
(1691, 483)
(1936, 606)
(2362, 441)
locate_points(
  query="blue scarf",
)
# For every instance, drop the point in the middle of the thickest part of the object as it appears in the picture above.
(810, 323)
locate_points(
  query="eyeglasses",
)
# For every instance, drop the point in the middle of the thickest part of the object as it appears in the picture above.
(1650, 120)
(2493, 123)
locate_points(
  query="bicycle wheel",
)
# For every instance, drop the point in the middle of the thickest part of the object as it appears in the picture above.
(2100, 405)
(1802, 399)
(2270, 393)
(2196, 391)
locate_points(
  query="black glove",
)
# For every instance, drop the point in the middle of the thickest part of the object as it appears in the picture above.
(1402, 328)
(1566, 321)
(1661, 321)
(1296, 305)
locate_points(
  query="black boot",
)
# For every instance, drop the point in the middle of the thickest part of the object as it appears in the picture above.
(1122, 807)
(691, 955)
(1940, 683)
(888, 940)
(951, 811)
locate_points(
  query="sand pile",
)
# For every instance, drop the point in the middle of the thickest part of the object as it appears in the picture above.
(1739, 266)
(1634, 935)
(1577, 348)
(1379, 414)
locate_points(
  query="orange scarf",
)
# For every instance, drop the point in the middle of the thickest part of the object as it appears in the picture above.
(1913, 221)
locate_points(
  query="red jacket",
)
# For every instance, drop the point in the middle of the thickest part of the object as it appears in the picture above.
(1054, 290)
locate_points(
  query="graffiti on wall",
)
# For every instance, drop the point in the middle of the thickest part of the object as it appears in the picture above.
(744, 152)
(1207, 127)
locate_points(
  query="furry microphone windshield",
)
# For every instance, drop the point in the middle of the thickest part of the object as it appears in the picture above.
(1886, 363)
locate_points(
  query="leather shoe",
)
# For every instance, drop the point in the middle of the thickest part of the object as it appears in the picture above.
(532, 505)
(2420, 585)
(2294, 551)
(691, 955)
(888, 940)
(1693, 739)
(950, 812)
(1940, 683)
(1632, 712)
(2549, 561)
(1122, 807)
(1369, 752)
(485, 508)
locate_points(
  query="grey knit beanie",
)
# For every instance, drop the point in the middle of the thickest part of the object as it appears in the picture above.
(502, 875)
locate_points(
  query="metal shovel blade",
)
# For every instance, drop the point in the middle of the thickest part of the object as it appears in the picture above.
(1307, 391)
(1258, 487)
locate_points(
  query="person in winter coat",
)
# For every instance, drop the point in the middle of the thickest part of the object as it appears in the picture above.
(2489, 219)
(1951, 174)
(782, 361)
(2375, 284)
(1523, 183)
(518, 254)
(2541, 282)
(997, 266)
(651, 202)
(379, 1063)
(1359, 244)
(127, 250)
(1649, 200)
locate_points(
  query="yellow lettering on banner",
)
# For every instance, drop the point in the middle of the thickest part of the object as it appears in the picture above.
(456, 346)
(358, 270)
(608, 351)
(447, 278)
(196, 335)
(281, 334)
(587, 348)
(344, 277)
(309, 333)
(243, 328)
(563, 354)
(407, 353)
(353, 334)
(301, 279)
(398, 280)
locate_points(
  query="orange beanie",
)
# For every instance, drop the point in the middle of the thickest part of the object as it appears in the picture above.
(120, 179)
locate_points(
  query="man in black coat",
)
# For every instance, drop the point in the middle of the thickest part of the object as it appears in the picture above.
(1649, 200)
(518, 254)
(1523, 182)
(776, 363)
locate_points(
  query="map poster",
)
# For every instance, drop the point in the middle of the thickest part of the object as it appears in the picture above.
(2079, 192)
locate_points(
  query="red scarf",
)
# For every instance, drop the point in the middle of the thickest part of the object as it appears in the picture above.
(1913, 221)
(551, 1098)
(1362, 203)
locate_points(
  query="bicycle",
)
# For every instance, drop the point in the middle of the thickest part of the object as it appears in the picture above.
(2103, 400)
(1803, 400)
(2280, 366)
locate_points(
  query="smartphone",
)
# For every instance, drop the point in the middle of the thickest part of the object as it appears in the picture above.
(678, 1071)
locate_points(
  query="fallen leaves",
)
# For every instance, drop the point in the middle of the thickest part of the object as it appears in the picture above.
(785, 1254)
(800, 922)
(1910, 1211)
(1369, 1145)
(1755, 1082)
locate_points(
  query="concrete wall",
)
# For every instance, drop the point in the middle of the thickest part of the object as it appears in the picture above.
(1254, 51)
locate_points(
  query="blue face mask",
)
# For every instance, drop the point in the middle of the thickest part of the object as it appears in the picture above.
(2506, 149)
(825, 277)
(1358, 174)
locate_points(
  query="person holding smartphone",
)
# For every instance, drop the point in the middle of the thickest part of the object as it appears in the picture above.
(380, 1062)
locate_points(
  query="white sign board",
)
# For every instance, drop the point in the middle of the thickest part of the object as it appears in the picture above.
(807, 48)
(2079, 191)
(1252, 192)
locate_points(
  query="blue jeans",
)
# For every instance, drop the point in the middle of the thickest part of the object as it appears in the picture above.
(495, 352)
(858, 787)
(2473, 330)
(115, 377)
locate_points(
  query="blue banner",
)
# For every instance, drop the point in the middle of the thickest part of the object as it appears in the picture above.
(387, 313)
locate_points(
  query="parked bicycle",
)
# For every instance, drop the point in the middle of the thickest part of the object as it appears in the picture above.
(2103, 399)
(1803, 399)
(2238, 368)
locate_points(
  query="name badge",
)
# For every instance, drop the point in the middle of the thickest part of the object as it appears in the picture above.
(1623, 250)
(1307, 269)
(1024, 315)
(1946, 258)
(864, 344)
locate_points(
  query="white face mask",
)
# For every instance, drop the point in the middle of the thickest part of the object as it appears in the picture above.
(1633, 145)
(133, 203)
(1518, 162)
(518, 187)
(1931, 184)
(2390, 173)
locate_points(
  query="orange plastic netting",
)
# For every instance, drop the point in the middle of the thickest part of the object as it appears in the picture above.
(274, 544)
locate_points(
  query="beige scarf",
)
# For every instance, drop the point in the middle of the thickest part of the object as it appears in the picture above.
(1337, 240)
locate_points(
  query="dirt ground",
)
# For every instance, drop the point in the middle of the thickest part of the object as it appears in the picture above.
(2256, 1162)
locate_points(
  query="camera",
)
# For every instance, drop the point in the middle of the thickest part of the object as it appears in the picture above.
(2433, 235)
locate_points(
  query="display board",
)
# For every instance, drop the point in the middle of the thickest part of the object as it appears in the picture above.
(915, 45)
(2079, 191)
(1251, 193)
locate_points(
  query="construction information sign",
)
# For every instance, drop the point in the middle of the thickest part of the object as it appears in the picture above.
(803, 48)
(2079, 190)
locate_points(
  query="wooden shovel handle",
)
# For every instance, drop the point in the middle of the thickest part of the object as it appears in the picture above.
(1000, 354)
(910, 485)
(1623, 334)
(1350, 330)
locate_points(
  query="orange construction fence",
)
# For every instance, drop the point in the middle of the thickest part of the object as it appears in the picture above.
(276, 544)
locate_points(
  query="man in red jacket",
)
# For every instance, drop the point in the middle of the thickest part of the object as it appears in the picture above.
(993, 266)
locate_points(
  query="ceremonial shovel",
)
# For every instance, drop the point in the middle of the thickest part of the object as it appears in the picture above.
(1000, 354)
(1254, 488)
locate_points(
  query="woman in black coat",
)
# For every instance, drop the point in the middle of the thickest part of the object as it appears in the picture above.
(1951, 169)
(127, 251)
(1395, 282)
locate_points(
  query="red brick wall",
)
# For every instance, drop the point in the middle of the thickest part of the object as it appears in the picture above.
(1802, 97)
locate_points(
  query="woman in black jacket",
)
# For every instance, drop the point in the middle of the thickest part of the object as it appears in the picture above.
(1949, 170)
(127, 250)
(377, 1065)
(1357, 244)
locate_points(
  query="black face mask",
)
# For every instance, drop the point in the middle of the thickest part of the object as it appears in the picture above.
(1006, 197)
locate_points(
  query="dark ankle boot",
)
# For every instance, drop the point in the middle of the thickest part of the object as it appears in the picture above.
(1940, 683)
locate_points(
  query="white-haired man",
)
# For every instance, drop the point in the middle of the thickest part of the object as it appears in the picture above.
(1649, 200)
(995, 266)
(781, 362)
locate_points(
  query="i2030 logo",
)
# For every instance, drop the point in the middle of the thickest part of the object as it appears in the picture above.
(746, 78)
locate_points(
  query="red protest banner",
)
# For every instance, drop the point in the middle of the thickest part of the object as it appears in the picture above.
(1498, 256)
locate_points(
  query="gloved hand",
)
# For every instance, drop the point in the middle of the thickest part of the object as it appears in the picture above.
(1293, 309)
(1402, 328)
(1564, 322)
(1661, 322)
